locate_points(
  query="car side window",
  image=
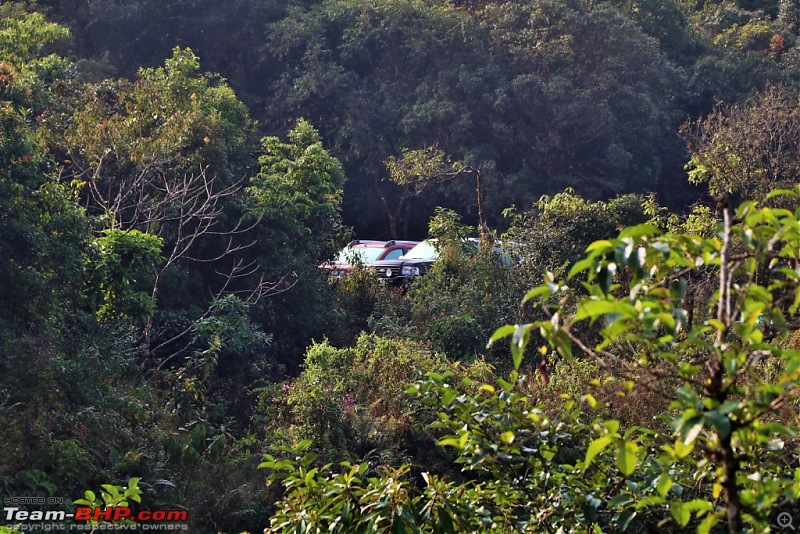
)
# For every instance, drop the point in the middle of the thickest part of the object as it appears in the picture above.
(394, 254)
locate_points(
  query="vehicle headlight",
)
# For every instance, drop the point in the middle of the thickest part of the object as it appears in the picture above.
(408, 270)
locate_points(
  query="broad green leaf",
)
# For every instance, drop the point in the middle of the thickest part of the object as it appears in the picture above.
(596, 308)
(698, 505)
(625, 518)
(449, 395)
(681, 449)
(454, 441)
(612, 425)
(310, 475)
(618, 501)
(677, 288)
(780, 192)
(691, 428)
(627, 456)
(604, 278)
(501, 333)
(708, 523)
(507, 386)
(689, 397)
(603, 243)
(679, 513)
(541, 291)
(301, 445)
(595, 447)
(518, 342)
(580, 266)
(664, 484)
(720, 422)
(645, 229)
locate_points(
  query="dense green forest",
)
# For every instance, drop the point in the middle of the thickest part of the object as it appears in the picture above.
(173, 173)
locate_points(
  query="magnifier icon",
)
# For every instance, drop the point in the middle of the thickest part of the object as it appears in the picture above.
(784, 520)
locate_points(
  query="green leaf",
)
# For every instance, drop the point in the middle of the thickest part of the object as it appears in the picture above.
(698, 505)
(677, 289)
(612, 425)
(518, 342)
(682, 450)
(596, 308)
(679, 513)
(595, 447)
(450, 441)
(449, 395)
(780, 192)
(605, 278)
(720, 422)
(501, 333)
(640, 230)
(691, 428)
(664, 484)
(625, 518)
(689, 397)
(507, 386)
(310, 475)
(580, 266)
(708, 523)
(542, 291)
(603, 243)
(302, 445)
(627, 456)
(618, 501)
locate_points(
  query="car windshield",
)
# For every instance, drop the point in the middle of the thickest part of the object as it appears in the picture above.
(363, 254)
(426, 250)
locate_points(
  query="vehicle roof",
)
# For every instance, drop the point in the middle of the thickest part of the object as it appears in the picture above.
(380, 244)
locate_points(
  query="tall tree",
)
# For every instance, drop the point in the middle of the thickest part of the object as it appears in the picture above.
(749, 148)
(297, 194)
(544, 95)
(42, 232)
(167, 155)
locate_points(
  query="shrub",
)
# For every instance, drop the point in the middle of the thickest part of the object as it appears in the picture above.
(347, 400)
